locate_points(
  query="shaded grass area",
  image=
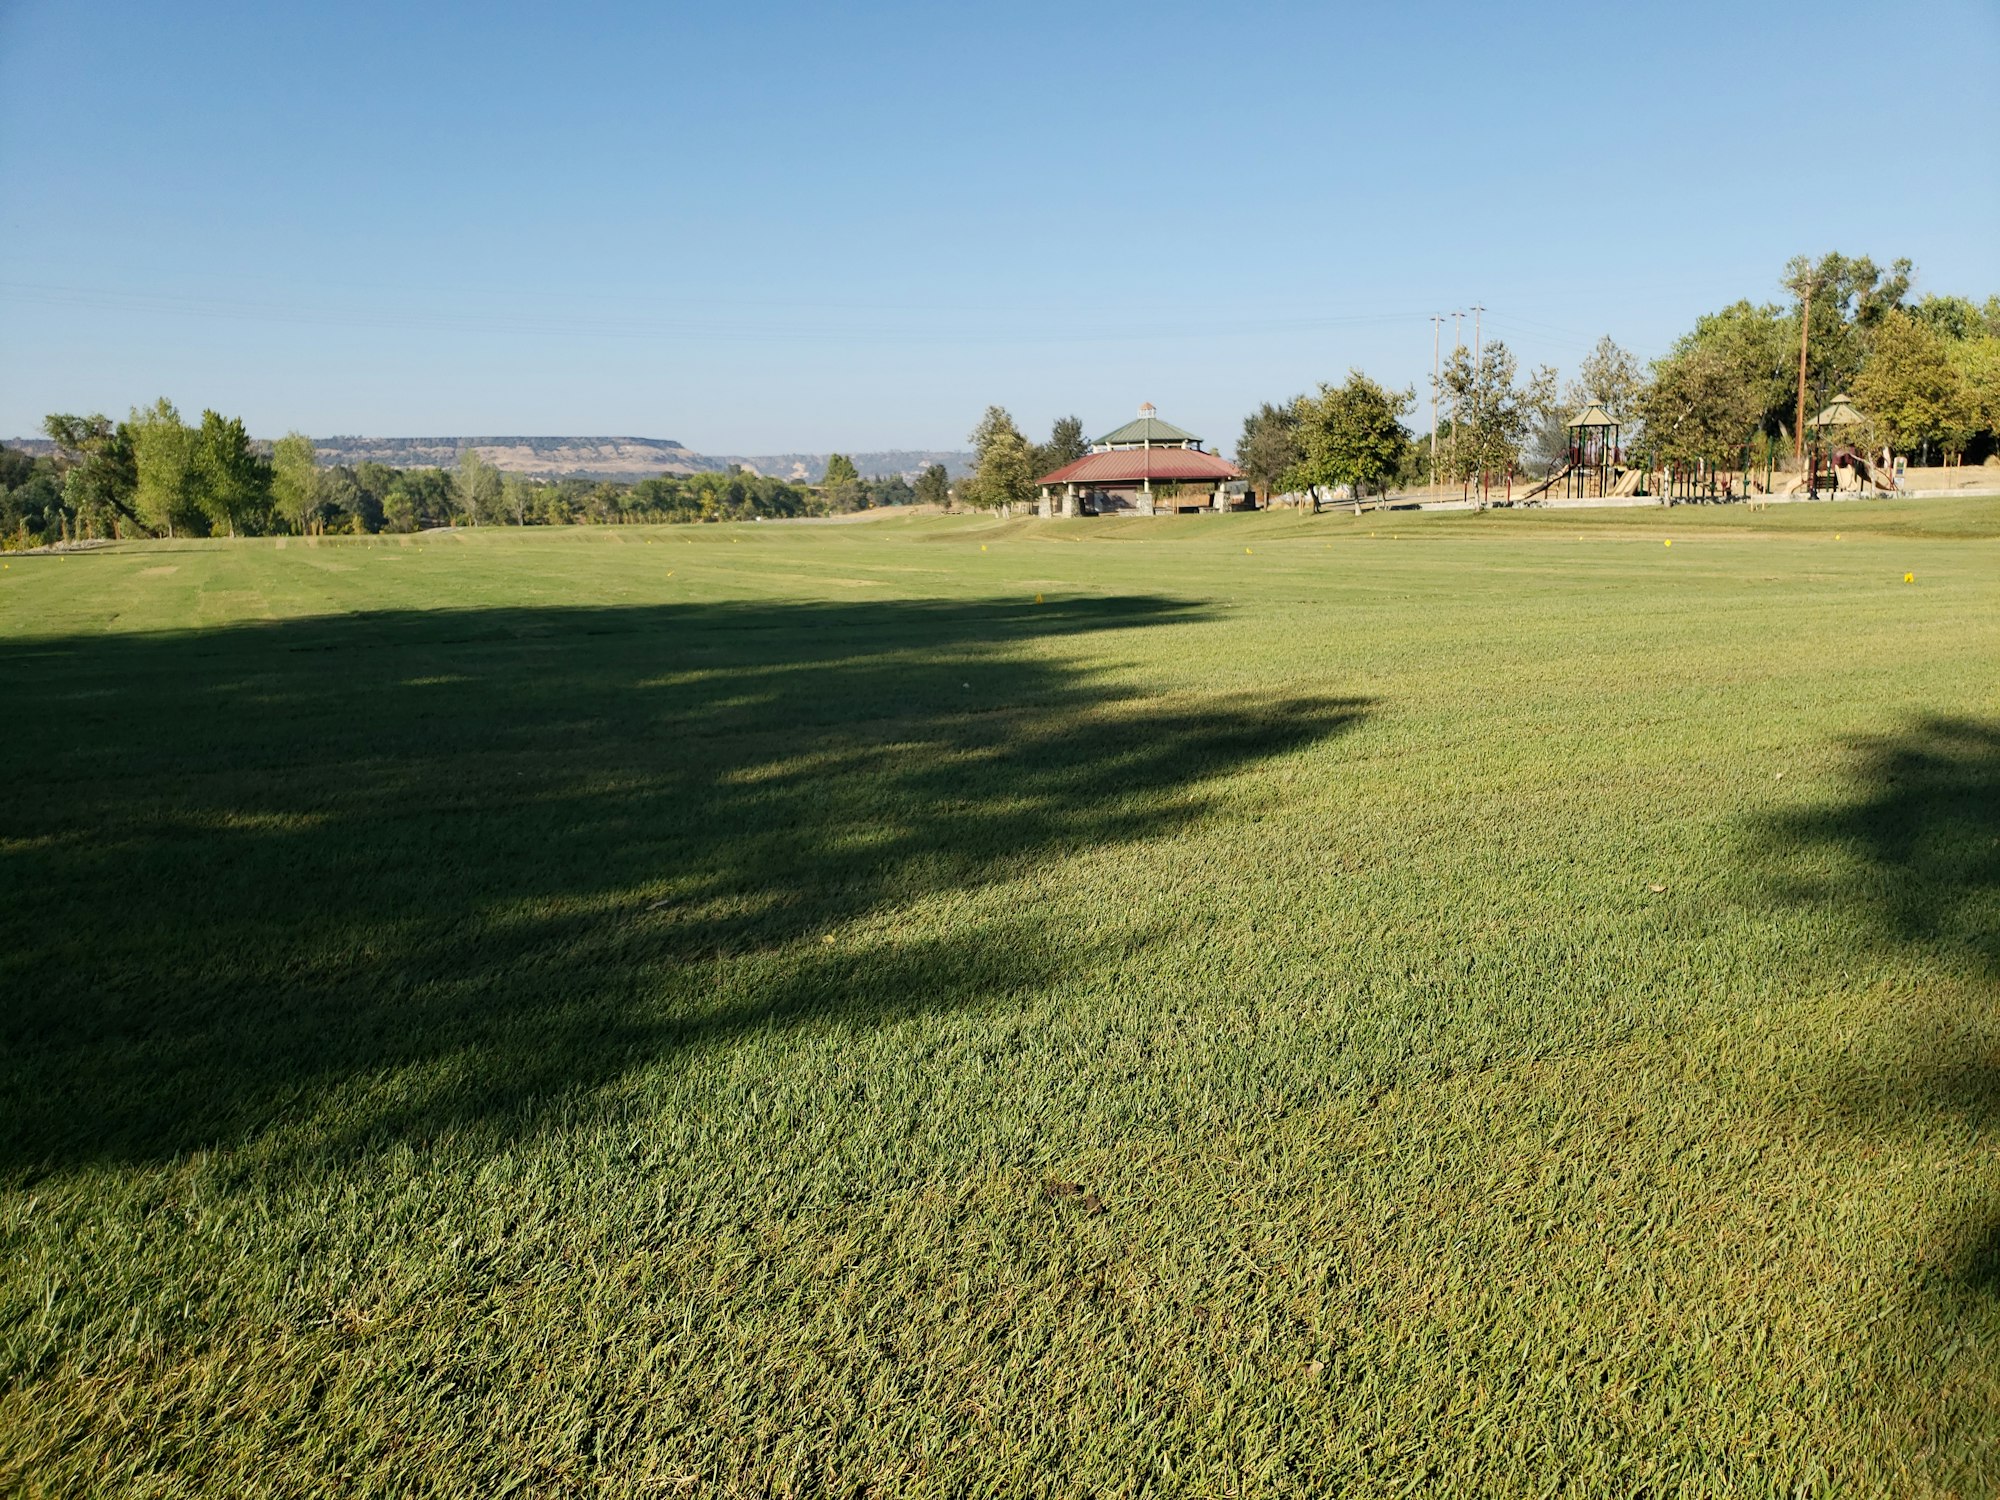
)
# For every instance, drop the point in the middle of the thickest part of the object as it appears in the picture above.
(398, 842)
(783, 1012)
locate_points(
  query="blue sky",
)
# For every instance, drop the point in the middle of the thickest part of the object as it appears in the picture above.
(765, 227)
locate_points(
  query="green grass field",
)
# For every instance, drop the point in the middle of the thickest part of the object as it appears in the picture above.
(1224, 1007)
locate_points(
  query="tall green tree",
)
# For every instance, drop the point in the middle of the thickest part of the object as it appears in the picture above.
(1610, 377)
(163, 461)
(1953, 317)
(1491, 415)
(1004, 462)
(841, 489)
(295, 487)
(934, 486)
(232, 482)
(1912, 391)
(1350, 435)
(517, 496)
(1697, 407)
(1978, 364)
(478, 487)
(1269, 446)
(1846, 297)
(32, 509)
(1760, 345)
(1066, 445)
(94, 460)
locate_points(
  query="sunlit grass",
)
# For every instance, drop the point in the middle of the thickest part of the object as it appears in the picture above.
(1242, 1005)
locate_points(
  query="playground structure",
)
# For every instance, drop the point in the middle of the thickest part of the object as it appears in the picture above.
(1593, 453)
(1834, 461)
(1593, 466)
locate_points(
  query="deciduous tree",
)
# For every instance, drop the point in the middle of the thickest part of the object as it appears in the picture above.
(1848, 297)
(1004, 463)
(1760, 346)
(1978, 364)
(94, 460)
(517, 495)
(478, 487)
(1350, 434)
(295, 487)
(1697, 407)
(1269, 446)
(232, 483)
(1610, 377)
(1491, 416)
(163, 461)
(1911, 390)
(934, 487)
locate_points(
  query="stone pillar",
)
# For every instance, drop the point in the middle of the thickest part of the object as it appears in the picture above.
(1069, 500)
(1042, 507)
(1146, 498)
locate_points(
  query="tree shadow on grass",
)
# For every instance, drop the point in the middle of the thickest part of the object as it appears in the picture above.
(1911, 862)
(452, 865)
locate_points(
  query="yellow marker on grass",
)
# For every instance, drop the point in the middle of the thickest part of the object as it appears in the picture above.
(1909, 578)
(1668, 542)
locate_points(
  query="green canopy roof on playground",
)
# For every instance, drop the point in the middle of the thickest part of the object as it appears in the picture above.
(1840, 414)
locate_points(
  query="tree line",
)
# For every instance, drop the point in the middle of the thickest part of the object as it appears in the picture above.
(154, 474)
(1925, 373)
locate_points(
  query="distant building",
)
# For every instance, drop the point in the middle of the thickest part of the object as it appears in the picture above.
(1145, 467)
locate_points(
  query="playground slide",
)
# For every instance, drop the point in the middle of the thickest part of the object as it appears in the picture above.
(1874, 474)
(1542, 487)
(1628, 483)
(1878, 476)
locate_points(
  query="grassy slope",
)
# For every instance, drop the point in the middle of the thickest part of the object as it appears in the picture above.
(777, 1010)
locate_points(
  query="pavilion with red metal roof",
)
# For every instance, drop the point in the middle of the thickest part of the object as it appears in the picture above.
(1123, 468)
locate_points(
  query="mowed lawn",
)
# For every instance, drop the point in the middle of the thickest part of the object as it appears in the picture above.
(1226, 1007)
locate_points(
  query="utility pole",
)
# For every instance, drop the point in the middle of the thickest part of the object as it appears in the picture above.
(1457, 343)
(1437, 328)
(1805, 330)
(1477, 309)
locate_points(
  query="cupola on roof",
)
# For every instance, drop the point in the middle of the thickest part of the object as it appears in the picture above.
(1147, 430)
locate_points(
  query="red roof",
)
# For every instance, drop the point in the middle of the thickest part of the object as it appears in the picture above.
(1131, 465)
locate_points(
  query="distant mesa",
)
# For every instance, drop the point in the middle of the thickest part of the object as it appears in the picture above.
(542, 457)
(625, 458)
